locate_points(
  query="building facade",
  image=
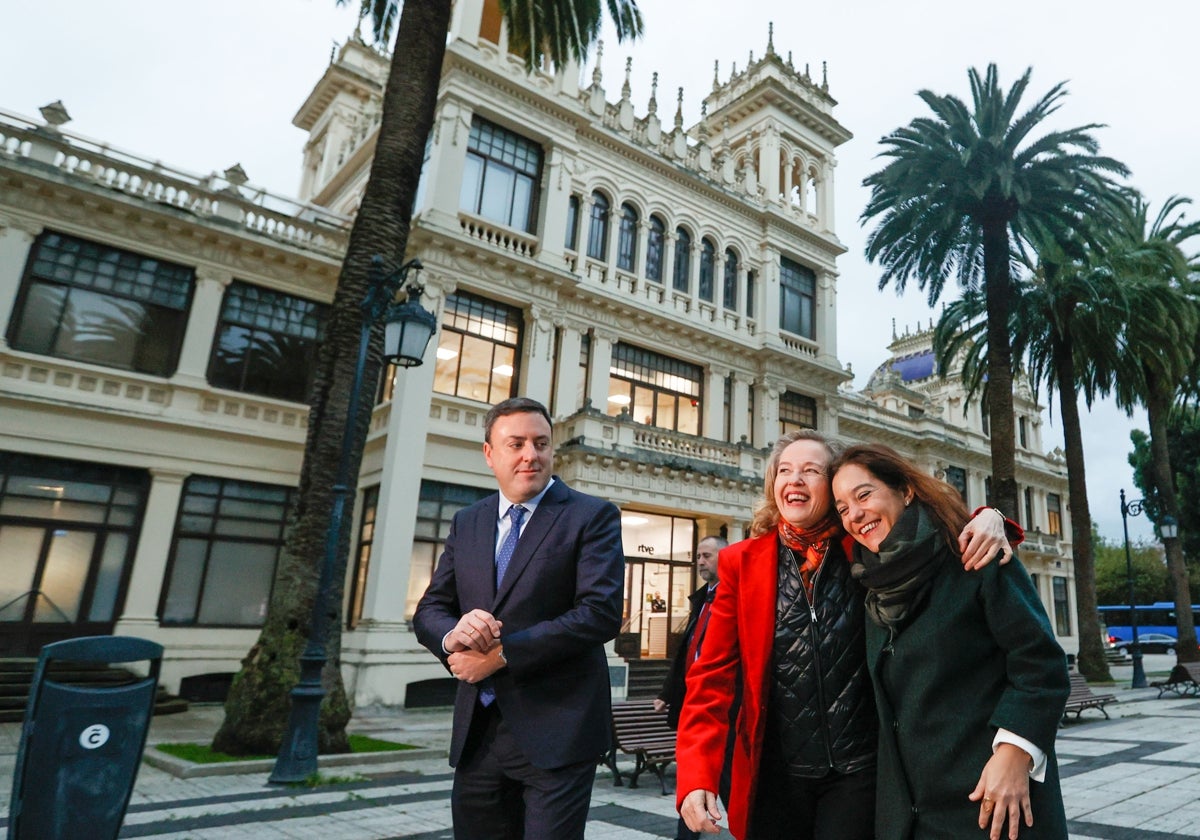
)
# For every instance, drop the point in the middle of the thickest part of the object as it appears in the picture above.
(669, 293)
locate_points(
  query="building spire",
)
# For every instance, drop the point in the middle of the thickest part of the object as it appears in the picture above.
(652, 106)
(679, 111)
(770, 37)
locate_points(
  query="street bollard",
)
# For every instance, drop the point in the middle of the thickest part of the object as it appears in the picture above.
(81, 745)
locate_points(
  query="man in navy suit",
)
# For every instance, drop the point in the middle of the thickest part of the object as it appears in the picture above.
(527, 592)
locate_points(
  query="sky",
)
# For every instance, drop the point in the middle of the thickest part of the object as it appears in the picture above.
(201, 86)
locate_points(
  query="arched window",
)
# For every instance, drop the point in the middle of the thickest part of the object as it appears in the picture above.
(627, 238)
(683, 260)
(655, 247)
(708, 261)
(598, 227)
(729, 293)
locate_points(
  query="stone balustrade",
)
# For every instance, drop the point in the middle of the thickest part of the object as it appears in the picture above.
(254, 210)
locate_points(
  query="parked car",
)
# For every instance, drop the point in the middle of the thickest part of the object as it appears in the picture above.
(1150, 643)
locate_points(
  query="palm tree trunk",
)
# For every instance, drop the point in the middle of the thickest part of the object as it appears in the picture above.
(1158, 407)
(998, 289)
(257, 708)
(1091, 662)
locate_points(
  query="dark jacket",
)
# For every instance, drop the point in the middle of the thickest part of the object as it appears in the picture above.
(673, 686)
(821, 714)
(979, 656)
(560, 601)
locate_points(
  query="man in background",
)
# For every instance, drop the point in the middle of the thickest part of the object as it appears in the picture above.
(671, 698)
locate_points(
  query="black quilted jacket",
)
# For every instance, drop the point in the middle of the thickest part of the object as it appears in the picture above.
(821, 712)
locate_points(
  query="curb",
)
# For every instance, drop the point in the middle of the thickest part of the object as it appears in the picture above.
(182, 769)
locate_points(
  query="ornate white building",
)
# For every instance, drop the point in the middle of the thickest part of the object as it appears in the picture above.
(669, 292)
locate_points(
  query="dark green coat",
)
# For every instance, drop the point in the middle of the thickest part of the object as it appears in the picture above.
(980, 656)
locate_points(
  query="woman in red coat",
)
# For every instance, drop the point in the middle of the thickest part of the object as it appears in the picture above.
(784, 662)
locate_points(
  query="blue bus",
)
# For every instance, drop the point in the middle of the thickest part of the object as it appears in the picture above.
(1158, 617)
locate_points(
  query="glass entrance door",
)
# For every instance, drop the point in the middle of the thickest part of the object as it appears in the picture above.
(66, 537)
(658, 578)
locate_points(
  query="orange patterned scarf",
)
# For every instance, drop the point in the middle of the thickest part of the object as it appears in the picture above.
(810, 545)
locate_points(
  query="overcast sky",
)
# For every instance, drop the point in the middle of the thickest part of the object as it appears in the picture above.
(202, 86)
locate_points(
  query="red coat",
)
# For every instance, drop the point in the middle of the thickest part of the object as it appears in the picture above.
(741, 632)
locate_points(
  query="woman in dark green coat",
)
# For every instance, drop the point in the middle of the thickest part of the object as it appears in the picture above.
(969, 680)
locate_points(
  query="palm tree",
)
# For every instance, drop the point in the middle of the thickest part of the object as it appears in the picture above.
(1163, 349)
(559, 30)
(961, 192)
(1065, 323)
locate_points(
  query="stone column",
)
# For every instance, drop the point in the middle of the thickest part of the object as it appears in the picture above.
(739, 407)
(554, 210)
(766, 415)
(768, 162)
(825, 196)
(539, 356)
(201, 329)
(566, 380)
(668, 272)
(826, 316)
(400, 489)
(598, 369)
(641, 247)
(466, 20)
(768, 292)
(714, 406)
(16, 238)
(147, 580)
(447, 157)
(614, 234)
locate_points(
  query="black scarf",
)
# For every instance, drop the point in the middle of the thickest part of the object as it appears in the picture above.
(899, 577)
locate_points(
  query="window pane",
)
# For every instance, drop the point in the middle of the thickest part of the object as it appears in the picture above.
(619, 398)
(424, 556)
(475, 371)
(643, 406)
(64, 575)
(472, 184)
(522, 203)
(665, 418)
(503, 368)
(497, 200)
(184, 589)
(238, 584)
(108, 578)
(654, 250)
(689, 416)
(449, 354)
(20, 548)
(37, 328)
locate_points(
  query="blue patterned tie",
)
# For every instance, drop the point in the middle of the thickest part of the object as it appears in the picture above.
(516, 515)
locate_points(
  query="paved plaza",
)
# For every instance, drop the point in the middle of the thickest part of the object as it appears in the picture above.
(1135, 776)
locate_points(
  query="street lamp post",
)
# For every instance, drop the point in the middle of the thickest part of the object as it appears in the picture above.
(1133, 508)
(408, 327)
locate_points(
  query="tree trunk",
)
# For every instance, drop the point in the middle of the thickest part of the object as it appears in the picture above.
(256, 711)
(998, 289)
(1158, 407)
(1091, 662)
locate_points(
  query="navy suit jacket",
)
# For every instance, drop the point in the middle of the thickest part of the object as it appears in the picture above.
(560, 601)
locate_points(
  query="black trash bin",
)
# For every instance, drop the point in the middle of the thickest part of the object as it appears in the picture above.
(81, 745)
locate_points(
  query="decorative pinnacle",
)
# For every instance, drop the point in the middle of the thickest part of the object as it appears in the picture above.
(824, 75)
(652, 107)
(770, 37)
(597, 74)
(679, 110)
(716, 74)
(789, 58)
(626, 90)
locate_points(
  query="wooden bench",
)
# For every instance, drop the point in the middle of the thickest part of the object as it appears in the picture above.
(1082, 697)
(1184, 680)
(640, 731)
